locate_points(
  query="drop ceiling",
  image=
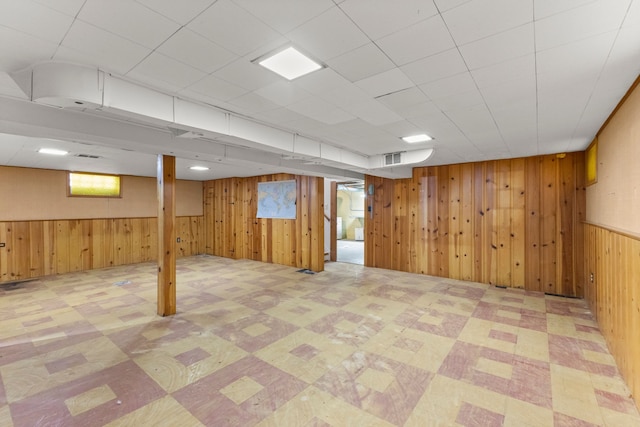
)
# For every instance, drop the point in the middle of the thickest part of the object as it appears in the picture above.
(487, 79)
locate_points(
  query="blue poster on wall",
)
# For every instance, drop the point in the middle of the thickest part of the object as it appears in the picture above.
(277, 199)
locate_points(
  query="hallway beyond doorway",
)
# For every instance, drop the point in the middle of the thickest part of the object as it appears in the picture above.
(351, 251)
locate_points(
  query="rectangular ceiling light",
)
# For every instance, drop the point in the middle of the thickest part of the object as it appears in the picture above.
(416, 138)
(290, 64)
(53, 151)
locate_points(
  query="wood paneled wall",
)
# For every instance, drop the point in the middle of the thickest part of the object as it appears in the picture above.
(41, 248)
(614, 296)
(514, 223)
(233, 231)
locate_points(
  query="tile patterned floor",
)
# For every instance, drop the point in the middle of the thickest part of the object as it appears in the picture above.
(260, 344)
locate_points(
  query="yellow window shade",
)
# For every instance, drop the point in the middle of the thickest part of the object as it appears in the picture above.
(94, 185)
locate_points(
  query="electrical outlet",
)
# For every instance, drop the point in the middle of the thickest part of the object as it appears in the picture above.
(592, 277)
(178, 240)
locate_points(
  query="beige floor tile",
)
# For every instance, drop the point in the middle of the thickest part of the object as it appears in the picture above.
(165, 412)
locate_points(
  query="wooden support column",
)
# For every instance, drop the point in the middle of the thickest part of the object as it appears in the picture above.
(166, 235)
(333, 255)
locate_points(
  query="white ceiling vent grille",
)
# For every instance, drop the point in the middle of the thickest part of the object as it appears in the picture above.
(392, 159)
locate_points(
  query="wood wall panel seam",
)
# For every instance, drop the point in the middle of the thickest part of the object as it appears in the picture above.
(522, 231)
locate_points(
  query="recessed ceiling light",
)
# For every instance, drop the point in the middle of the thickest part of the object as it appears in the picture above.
(290, 63)
(416, 138)
(199, 168)
(53, 151)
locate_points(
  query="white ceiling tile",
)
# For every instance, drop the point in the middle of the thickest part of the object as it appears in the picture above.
(569, 26)
(247, 75)
(403, 98)
(558, 115)
(283, 93)
(94, 46)
(333, 117)
(516, 120)
(68, 7)
(233, 28)
(285, 15)
(444, 5)
(574, 63)
(510, 93)
(474, 120)
(129, 20)
(416, 110)
(385, 83)
(35, 19)
(402, 47)
(347, 94)
(196, 51)
(328, 35)
(403, 128)
(546, 8)
(436, 67)
(459, 100)
(377, 20)
(633, 15)
(478, 19)
(454, 85)
(362, 62)
(167, 70)
(251, 103)
(179, 11)
(321, 81)
(216, 88)
(23, 51)
(373, 112)
(438, 126)
(498, 48)
(320, 110)
(622, 65)
(516, 69)
(358, 127)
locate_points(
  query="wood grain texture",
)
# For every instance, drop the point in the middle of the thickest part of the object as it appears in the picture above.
(232, 229)
(513, 223)
(166, 186)
(43, 248)
(614, 296)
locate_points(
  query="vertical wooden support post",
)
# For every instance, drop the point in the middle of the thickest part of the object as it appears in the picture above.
(166, 175)
(333, 254)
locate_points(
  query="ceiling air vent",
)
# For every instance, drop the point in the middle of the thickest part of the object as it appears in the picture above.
(392, 159)
(87, 156)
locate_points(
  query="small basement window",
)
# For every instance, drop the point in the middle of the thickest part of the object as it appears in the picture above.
(81, 184)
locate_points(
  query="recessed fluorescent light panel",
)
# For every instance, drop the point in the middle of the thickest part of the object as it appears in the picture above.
(199, 168)
(416, 138)
(53, 151)
(290, 64)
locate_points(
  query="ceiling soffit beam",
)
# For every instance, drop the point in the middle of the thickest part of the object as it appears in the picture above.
(75, 87)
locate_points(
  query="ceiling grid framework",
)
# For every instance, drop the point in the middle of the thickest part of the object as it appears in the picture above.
(487, 79)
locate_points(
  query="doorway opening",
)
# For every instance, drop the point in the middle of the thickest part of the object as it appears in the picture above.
(350, 208)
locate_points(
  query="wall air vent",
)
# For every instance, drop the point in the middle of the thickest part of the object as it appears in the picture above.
(88, 156)
(392, 159)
